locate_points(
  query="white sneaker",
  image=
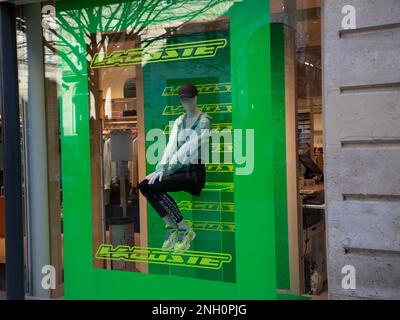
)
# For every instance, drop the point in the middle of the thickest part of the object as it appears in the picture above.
(184, 239)
(171, 238)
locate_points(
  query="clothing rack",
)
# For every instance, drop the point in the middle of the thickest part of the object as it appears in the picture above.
(120, 123)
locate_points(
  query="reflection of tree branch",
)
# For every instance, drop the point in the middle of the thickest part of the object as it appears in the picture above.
(138, 15)
(107, 26)
(66, 43)
(62, 55)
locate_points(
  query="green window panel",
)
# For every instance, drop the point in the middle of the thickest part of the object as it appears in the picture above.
(249, 270)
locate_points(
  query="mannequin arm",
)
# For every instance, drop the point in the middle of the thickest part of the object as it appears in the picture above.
(170, 149)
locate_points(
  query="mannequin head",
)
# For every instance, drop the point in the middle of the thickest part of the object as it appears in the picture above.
(188, 96)
(189, 104)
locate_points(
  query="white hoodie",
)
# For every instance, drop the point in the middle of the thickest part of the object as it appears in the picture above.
(185, 146)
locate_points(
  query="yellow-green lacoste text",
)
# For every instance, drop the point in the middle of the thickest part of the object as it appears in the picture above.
(212, 225)
(207, 206)
(215, 126)
(212, 108)
(209, 88)
(193, 259)
(221, 147)
(171, 52)
(219, 186)
(219, 167)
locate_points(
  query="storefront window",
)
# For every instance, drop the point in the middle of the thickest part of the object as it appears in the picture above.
(296, 35)
(135, 67)
(159, 104)
(134, 76)
(181, 144)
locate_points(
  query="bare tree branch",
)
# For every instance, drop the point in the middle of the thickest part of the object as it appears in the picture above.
(79, 25)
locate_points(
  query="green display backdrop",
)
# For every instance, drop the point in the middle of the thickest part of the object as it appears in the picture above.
(211, 214)
(245, 63)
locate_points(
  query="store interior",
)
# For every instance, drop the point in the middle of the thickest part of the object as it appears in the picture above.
(306, 204)
(115, 120)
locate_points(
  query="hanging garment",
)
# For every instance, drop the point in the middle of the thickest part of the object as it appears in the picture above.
(109, 167)
(133, 165)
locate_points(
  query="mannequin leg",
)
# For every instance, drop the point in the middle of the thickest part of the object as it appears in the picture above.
(157, 194)
(175, 212)
(164, 204)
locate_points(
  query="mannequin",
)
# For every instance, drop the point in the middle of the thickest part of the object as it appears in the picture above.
(180, 169)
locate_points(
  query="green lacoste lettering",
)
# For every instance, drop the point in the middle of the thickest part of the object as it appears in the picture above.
(207, 206)
(207, 108)
(210, 88)
(193, 259)
(172, 52)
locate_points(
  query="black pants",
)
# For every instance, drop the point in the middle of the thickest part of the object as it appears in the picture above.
(191, 181)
